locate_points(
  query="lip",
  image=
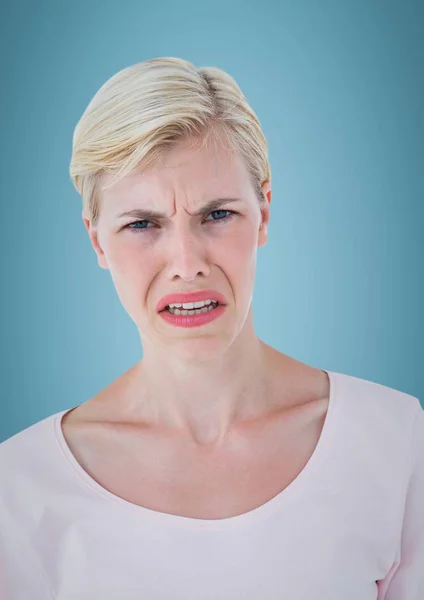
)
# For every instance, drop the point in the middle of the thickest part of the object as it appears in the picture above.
(190, 297)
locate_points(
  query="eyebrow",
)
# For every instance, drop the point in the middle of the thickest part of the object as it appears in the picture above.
(142, 214)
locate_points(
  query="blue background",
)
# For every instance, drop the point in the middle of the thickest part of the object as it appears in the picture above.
(339, 89)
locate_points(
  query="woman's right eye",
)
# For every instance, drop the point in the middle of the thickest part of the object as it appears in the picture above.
(131, 225)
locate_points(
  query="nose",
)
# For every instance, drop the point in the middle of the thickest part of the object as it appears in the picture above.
(186, 254)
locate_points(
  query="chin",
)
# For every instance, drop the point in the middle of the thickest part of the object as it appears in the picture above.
(198, 349)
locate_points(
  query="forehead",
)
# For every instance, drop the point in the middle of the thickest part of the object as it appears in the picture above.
(188, 169)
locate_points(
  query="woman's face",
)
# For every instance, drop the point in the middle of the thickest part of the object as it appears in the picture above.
(149, 257)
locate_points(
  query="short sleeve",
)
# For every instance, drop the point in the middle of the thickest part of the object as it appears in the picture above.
(407, 579)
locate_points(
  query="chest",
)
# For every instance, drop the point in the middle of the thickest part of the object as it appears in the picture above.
(163, 476)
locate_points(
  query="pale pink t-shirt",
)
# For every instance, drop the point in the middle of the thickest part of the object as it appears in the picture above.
(349, 527)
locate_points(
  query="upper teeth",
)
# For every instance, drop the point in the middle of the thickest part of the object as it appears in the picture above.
(191, 305)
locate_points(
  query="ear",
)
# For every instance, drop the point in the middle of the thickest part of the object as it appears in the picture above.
(93, 235)
(265, 213)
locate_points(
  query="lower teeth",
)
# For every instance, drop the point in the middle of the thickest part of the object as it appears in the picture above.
(197, 311)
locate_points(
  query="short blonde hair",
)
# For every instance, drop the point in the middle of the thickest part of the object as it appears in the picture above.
(144, 109)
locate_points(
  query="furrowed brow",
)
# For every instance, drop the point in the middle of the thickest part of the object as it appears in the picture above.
(142, 214)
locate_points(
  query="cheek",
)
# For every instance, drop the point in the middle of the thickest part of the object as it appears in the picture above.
(128, 256)
(131, 269)
(242, 245)
(237, 259)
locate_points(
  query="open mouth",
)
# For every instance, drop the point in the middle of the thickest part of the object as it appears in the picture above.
(194, 311)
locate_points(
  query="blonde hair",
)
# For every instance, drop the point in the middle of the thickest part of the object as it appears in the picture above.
(144, 109)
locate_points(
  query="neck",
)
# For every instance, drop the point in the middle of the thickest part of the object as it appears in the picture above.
(201, 399)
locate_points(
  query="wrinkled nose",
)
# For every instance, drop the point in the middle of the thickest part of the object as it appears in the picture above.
(186, 255)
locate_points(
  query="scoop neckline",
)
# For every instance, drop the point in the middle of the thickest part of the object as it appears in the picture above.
(259, 512)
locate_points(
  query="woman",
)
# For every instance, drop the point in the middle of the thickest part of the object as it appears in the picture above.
(216, 466)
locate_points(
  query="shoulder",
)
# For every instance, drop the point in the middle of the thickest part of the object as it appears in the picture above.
(32, 475)
(24, 450)
(375, 399)
(26, 478)
(28, 432)
(377, 424)
(380, 437)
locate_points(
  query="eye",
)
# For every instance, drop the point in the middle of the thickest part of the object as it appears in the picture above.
(227, 218)
(134, 226)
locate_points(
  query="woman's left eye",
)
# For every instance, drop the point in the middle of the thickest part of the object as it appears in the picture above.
(231, 213)
(223, 220)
